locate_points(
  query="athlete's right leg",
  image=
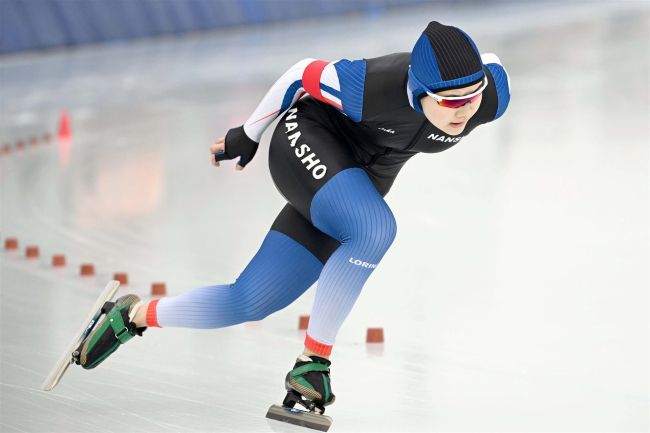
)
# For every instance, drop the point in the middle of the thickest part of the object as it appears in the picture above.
(313, 166)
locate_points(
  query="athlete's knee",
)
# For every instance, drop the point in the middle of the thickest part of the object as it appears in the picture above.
(374, 230)
(350, 209)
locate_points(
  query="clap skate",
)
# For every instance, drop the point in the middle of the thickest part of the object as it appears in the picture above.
(308, 385)
(108, 325)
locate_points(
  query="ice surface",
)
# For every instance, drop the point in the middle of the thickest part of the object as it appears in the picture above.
(515, 297)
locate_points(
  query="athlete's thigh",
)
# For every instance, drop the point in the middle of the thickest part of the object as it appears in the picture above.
(293, 224)
(305, 153)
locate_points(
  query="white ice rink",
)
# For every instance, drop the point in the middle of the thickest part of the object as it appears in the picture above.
(514, 299)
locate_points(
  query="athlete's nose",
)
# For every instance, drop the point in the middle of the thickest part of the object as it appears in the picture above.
(461, 112)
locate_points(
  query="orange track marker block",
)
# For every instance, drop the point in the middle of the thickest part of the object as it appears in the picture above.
(303, 323)
(87, 270)
(31, 252)
(122, 277)
(158, 289)
(375, 335)
(58, 260)
(11, 244)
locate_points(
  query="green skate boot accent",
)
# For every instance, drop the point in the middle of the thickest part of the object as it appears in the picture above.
(310, 378)
(114, 328)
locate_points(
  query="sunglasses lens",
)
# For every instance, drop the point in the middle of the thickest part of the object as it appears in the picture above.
(457, 103)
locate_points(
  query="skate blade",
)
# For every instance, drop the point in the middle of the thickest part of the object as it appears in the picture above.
(65, 360)
(299, 417)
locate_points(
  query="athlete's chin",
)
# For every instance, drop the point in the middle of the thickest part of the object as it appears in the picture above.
(453, 128)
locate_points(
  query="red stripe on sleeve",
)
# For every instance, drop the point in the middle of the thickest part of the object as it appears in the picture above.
(311, 78)
(266, 117)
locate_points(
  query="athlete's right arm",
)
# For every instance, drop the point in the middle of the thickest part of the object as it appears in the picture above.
(339, 84)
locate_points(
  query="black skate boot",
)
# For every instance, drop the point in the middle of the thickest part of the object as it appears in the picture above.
(114, 328)
(308, 385)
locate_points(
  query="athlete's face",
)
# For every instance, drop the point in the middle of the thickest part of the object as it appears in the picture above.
(451, 120)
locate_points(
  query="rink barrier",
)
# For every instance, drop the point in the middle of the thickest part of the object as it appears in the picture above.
(34, 25)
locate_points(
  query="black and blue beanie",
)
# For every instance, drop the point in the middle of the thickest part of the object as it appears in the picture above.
(444, 57)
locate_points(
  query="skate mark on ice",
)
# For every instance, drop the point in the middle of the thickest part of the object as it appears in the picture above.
(30, 401)
(13, 428)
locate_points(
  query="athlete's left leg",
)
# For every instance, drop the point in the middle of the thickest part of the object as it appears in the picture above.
(288, 263)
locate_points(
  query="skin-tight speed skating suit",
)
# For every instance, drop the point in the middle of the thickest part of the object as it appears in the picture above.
(347, 128)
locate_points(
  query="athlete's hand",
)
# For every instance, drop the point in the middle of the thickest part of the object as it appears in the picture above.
(219, 148)
(235, 144)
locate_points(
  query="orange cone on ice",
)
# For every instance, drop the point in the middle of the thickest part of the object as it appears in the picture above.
(65, 132)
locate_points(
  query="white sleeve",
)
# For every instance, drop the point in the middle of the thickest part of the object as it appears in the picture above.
(282, 95)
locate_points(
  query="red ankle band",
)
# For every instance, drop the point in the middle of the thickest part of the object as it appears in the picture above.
(152, 316)
(316, 347)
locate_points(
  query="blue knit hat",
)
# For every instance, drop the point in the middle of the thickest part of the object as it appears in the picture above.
(444, 58)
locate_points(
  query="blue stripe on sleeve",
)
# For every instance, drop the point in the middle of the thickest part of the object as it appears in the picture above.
(288, 96)
(352, 75)
(330, 90)
(503, 91)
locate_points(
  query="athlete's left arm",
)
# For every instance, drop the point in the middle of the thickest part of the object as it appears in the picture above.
(339, 84)
(498, 93)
